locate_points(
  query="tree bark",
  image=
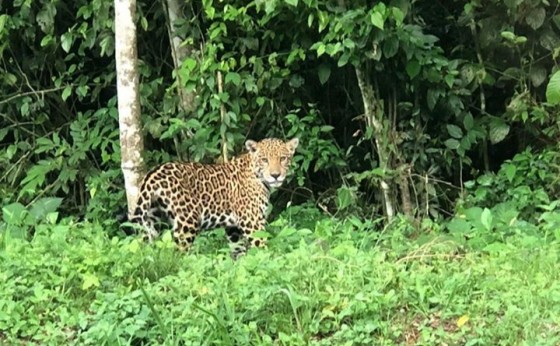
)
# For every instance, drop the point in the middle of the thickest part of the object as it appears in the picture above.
(374, 119)
(222, 117)
(405, 192)
(130, 129)
(179, 52)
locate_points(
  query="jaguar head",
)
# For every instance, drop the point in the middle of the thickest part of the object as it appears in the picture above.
(271, 159)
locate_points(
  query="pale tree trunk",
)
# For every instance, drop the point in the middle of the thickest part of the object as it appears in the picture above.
(179, 51)
(374, 119)
(132, 143)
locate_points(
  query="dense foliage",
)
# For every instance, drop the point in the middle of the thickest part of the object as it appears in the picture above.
(335, 283)
(459, 87)
(451, 105)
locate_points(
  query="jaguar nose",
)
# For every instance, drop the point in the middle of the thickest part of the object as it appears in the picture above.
(275, 175)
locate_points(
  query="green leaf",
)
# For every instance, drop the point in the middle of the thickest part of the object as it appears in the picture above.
(234, 78)
(3, 133)
(324, 72)
(292, 2)
(449, 80)
(377, 20)
(468, 122)
(66, 41)
(498, 130)
(107, 45)
(549, 40)
(89, 280)
(537, 75)
(321, 49)
(82, 90)
(454, 131)
(536, 17)
(486, 219)
(344, 197)
(14, 214)
(144, 23)
(512, 4)
(286, 232)
(36, 176)
(390, 47)
(24, 109)
(510, 170)
(459, 225)
(44, 206)
(189, 64)
(452, 144)
(45, 18)
(412, 68)
(508, 35)
(10, 78)
(261, 234)
(432, 98)
(398, 15)
(520, 40)
(553, 89)
(343, 59)
(3, 19)
(66, 93)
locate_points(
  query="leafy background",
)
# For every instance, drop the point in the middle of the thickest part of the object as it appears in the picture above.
(467, 94)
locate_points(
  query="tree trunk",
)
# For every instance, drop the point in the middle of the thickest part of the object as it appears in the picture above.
(405, 192)
(374, 119)
(222, 117)
(132, 143)
(179, 52)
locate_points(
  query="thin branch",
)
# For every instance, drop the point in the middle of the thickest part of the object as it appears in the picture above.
(27, 93)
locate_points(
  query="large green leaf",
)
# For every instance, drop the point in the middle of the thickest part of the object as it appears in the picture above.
(14, 214)
(537, 75)
(454, 131)
(412, 68)
(324, 73)
(452, 144)
(44, 206)
(498, 130)
(390, 47)
(377, 20)
(536, 17)
(553, 89)
(486, 219)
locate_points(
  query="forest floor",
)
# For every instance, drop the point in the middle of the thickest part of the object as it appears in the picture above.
(322, 281)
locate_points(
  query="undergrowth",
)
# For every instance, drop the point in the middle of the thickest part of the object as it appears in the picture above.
(340, 282)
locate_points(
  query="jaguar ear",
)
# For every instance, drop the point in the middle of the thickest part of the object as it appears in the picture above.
(293, 144)
(251, 146)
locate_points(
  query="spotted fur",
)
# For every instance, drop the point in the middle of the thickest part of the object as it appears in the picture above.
(234, 195)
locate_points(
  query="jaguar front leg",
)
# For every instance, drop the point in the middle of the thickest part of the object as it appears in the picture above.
(237, 242)
(184, 235)
(249, 233)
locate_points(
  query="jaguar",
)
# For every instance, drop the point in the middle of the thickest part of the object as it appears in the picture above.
(194, 197)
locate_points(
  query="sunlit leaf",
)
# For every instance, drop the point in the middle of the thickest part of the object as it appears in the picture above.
(461, 321)
(89, 280)
(553, 89)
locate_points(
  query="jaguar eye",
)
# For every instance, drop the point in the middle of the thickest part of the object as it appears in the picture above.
(264, 160)
(283, 158)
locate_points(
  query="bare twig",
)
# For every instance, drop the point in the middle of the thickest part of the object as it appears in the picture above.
(423, 256)
(27, 93)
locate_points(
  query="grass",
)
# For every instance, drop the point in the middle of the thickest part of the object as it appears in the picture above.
(321, 282)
